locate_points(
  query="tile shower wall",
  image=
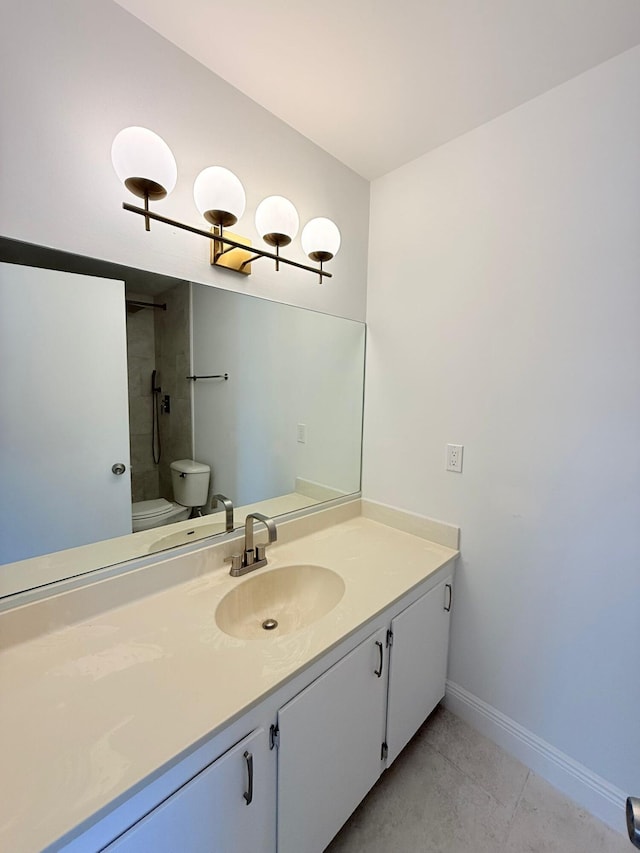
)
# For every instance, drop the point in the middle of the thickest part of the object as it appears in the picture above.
(141, 360)
(172, 334)
(158, 340)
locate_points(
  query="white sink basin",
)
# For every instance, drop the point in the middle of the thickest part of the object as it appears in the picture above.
(184, 537)
(292, 597)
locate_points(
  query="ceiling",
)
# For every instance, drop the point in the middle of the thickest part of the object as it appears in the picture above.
(377, 83)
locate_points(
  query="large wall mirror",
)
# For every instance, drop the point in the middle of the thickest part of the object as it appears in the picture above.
(130, 399)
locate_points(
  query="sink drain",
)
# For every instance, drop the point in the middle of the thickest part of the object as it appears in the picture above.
(270, 624)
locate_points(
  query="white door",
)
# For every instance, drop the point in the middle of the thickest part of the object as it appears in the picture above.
(418, 665)
(227, 808)
(64, 412)
(329, 754)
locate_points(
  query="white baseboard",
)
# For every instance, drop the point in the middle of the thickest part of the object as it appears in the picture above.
(587, 789)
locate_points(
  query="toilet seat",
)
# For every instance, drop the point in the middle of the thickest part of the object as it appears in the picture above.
(156, 513)
(151, 509)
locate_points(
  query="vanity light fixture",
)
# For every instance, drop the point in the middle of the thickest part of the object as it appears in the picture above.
(219, 196)
(320, 239)
(144, 163)
(277, 222)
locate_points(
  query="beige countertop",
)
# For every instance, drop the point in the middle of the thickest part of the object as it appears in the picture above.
(90, 708)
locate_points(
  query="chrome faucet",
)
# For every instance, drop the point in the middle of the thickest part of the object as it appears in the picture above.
(252, 558)
(228, 510)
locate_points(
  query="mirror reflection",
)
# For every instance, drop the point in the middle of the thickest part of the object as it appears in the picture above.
(132, 400)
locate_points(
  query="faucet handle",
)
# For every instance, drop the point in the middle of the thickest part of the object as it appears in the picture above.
(236, 564)
(261, 551)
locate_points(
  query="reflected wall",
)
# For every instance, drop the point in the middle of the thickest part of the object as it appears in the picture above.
(289, 419)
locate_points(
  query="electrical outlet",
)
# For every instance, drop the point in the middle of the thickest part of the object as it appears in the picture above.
(454, 457)
(302, 433)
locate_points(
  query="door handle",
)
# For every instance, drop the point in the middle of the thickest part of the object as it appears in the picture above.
(448, 597)
(633, 820)
(119, 468)
(378, 671)
(248, 794)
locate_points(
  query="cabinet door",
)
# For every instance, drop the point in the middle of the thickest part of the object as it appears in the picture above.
(330, 743)
(418, 665)
(211, 813)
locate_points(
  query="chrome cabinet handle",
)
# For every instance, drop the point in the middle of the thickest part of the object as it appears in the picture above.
(449, 598)
(119, 468)
(248, 794)
(378, 671)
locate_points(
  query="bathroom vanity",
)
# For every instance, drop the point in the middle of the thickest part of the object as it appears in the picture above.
(134, 722)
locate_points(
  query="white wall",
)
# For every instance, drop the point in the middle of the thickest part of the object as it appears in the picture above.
(78, 71)
(247, 438)
(506, 317)
(294, 367)
(327, 359)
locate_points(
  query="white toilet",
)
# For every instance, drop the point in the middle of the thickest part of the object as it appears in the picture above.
(190, 482)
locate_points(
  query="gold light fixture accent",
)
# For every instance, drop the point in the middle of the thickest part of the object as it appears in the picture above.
(230, 258)
(145, 164)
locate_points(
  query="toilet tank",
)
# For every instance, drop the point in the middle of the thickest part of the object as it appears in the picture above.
(190, 481)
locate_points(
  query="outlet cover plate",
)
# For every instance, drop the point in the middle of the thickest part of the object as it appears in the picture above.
(454, 457)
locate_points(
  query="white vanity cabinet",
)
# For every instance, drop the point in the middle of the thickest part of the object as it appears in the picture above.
(229, 807)
(317, 745)
(419, 645)
(329, 753)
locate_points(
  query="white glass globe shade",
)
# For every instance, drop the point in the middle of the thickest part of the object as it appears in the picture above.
(219, 196)
(144, 163)
(277, 220)
(320, 239)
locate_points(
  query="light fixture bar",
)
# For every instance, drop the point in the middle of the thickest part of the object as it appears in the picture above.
(148, 214)
(249, 260)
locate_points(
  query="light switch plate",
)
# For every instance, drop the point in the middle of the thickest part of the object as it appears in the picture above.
(454, 457)
(302, 433)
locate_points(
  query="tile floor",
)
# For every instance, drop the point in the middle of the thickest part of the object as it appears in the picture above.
(454, 791)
